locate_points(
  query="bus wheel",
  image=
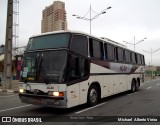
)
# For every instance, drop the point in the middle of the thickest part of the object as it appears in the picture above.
(93, 97)
(133, 86)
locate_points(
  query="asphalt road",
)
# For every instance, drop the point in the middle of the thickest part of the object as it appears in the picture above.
(146, 102)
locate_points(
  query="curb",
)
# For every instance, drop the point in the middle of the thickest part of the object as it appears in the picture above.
(9, 91)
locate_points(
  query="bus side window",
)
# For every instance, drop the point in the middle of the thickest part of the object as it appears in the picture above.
(96, 49)
(105, 49)
(142, 60)
(90, 47)
(133, 57)
(74, 71)
(139, 59)
(120, 54)
(127, 56)
(78, 68)
(79, 45)
(84, 67)
(110, 52)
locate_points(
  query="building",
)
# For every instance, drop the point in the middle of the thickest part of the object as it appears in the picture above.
(54, 17)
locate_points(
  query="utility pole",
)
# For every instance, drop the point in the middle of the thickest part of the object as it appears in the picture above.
(8, 47)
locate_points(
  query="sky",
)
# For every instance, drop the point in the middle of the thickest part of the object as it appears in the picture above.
(126, 19)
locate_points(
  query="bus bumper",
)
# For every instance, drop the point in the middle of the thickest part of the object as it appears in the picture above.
(47, 101)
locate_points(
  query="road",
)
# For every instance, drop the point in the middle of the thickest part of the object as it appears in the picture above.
(146, 102)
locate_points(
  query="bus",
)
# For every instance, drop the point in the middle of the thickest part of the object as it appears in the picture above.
(63, 69)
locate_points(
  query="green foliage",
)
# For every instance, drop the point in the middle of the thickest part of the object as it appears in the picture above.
(148, 72)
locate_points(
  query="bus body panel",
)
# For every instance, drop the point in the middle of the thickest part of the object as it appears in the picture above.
(73, 95)
(83, 88)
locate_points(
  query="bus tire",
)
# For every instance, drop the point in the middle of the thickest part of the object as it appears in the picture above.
(133, 86)
(93, 96)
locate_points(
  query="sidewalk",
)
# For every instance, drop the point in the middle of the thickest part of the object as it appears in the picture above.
(13, 89)
(8, 90)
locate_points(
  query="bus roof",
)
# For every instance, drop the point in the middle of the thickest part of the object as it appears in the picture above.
(83, 33)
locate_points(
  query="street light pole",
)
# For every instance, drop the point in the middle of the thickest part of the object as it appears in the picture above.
(151, 52)
(135, 43)
(90, 19)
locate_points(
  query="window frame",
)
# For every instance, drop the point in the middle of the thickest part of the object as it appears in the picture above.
(86, 54)
(107, 52)
(68, 69)
(129, 56)
(120, 55)
(100, 50)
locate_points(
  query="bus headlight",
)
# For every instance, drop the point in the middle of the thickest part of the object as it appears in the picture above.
(21, 90)
(56, 94)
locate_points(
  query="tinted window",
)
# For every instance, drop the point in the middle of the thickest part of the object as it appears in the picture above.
(42, 66)
(102, 50)
(138, 59)
(79, 45)
(96, 49)
(142, 60)
(110, 52)
(116, 54)
(78, 68)
(120, 54)
(105, 49)
(133, 58)
(127, 56)
(48, 41)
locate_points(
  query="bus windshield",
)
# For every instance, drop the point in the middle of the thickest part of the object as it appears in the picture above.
(48, 42)
(45, 67)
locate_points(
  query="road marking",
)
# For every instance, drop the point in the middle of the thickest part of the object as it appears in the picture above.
(90, 108)
(149, 87)
(15, 108)
(158, 84)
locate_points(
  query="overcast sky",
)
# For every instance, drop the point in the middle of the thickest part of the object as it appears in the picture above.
(126, 19)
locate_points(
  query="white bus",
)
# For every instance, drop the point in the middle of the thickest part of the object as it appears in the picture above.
(65, 69)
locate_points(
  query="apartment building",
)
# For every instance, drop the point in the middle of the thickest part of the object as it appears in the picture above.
(54, 17)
